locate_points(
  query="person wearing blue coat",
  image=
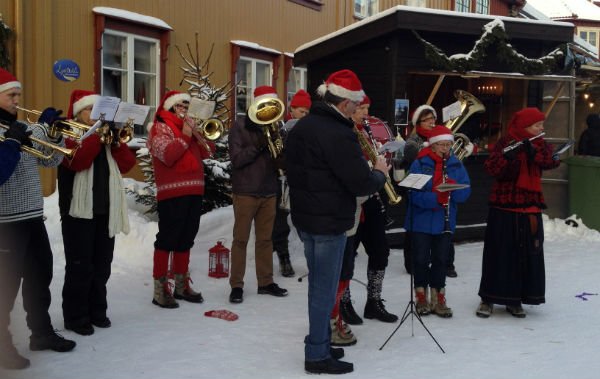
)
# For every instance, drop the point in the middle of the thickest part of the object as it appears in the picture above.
(431, 219)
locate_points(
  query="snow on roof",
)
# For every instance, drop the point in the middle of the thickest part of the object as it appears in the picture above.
(132, 16)
(404, 8)
(563, 9)
(255, 46)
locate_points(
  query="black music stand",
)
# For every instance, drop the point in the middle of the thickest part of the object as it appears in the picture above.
(412, 182)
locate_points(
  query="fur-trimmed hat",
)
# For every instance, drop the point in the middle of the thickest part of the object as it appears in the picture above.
(264, 92)
(344, 84)
(172, 98)
(440, 133)
(80, 99)
(525, 118)
(8, 81)
(417, 113)
(301, 99)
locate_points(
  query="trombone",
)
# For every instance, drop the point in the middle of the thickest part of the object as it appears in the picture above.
(38, 153)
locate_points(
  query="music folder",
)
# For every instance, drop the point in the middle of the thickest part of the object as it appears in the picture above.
(415, 181)
(562, 148)
(445, 187)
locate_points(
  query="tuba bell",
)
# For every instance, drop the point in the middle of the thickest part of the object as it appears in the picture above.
(211, 129)
(267, 112)
(469, 105)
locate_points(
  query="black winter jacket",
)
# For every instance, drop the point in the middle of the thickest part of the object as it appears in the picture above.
(589, 143)
(326, 171)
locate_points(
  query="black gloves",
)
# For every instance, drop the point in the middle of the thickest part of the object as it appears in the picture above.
(19, 132)
(50, 115)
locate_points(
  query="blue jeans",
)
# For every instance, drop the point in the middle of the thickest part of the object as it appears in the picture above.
(324, 254)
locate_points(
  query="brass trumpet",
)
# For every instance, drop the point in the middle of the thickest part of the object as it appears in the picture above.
(211, 129)
(38, 153)
(58, 127)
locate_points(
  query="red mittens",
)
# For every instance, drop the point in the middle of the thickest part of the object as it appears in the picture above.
(222, 314)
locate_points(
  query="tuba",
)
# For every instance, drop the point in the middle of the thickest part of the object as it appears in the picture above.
(266, 112)
(469, 105)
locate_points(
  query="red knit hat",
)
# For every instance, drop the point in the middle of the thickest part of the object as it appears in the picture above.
(80, 99)
(344, 84)
(301, 99)
(264, 92)
(172, 98)
(365, 100)
(8, 81)
(440, 133)
(525, 118)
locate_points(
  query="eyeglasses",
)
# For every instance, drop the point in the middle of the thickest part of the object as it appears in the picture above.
(446, 145)
(182, 106)
(430, 118)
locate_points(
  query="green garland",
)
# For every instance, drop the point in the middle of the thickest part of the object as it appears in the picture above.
(6, 34)
(493, 35)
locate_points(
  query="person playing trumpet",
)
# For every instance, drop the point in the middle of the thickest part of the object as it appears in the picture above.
(512, 269)
(10, 150)
(25, 253)
(93, 210)
(177, 155)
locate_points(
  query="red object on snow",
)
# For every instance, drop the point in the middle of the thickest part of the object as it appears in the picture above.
(218, 261)
(223, 314)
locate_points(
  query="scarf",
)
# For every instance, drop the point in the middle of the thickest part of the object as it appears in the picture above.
(438, 165)
(530, 174)
(423, 132)
(82, 203)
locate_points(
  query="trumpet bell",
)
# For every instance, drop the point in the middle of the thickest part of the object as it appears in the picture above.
(266, 111)
(211, 129)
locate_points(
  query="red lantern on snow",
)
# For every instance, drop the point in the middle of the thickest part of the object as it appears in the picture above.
(218, 261)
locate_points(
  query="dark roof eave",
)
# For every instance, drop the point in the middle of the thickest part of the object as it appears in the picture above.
(434, 22)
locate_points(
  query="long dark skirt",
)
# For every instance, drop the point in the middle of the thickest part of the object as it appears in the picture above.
(513, 270)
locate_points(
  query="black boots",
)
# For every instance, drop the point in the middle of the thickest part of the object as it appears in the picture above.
(374, 309)
(328, 366)
(285, 265)
(348, 313)
(50, 341)
(83, 328)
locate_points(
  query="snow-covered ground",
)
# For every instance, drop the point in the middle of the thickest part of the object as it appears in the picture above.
(556, 340)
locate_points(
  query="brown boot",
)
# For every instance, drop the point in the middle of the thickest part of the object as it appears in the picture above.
(438, 303)
(183, 290)
(162, 294)
(421, 300)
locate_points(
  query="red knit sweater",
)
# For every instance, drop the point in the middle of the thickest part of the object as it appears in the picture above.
(177, 160)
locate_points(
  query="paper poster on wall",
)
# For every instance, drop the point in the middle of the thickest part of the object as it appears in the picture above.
(401, 110)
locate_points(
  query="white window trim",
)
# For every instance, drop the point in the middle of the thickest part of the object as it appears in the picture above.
(589, 30)
(487, 8)
(468, 6)
(303, 80)
(252, 86)
(360, 15)
(130, 37)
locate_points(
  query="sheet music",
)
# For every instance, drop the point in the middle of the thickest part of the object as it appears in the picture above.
(128, 111)
(107, 106)
(416, 181)
(201, 109)
(91, 130)
(451, 111)
(392, 146)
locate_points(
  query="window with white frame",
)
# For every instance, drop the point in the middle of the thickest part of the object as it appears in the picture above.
(365, 8)
(251, 73)
(482, 6)
(589, 35)
(130, 69)
(296, 81)
(462, 5)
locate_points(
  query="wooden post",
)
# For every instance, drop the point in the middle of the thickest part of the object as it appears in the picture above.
(558, 91)
(435, 89)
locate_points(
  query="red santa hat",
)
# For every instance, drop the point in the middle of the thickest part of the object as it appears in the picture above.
(344, 84)
(173, 98)
(264, 92)
(8, 81)
(365, 100)
(525, 118)
(301, 99)
(440, 133)
(80, 99)
(417, 113)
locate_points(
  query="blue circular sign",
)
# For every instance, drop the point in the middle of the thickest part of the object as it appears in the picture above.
(66, 70)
